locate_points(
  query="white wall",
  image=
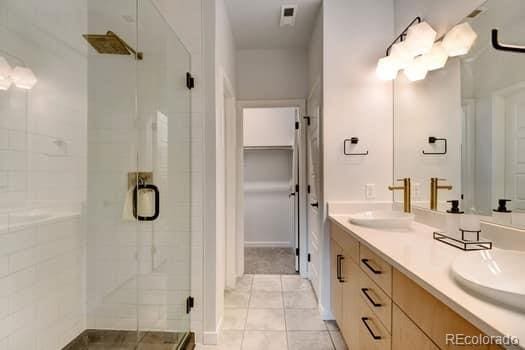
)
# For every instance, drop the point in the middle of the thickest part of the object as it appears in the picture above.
(269, 126)
(356, 103)
(42, 167)
(272, 74)
(219, 60)
(315, 53)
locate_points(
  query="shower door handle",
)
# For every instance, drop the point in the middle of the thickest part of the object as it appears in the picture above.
(156, 212)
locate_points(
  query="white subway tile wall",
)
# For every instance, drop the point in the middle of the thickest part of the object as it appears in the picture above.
(43, 155)
(42, 294)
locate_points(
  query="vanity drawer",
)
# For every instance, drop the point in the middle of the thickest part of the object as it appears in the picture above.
(376, 299)
(433, 317)
(406, 335)
(372, 334)
(349, 244)
(376, 268)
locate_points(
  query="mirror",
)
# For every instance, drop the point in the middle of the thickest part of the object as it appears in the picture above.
(465, 123)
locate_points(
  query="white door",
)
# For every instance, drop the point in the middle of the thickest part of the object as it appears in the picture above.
(313, 166)
(515, 149)
(294, 195)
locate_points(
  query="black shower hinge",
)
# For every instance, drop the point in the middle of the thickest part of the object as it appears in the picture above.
(296, 251)
(190, 303)
(307, 119)
(309, 188)
(297, 188)
(190, 81)
(296, 125)
(309, 257)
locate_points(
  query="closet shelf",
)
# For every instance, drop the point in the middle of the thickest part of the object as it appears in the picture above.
(269, 148)
(258, 187)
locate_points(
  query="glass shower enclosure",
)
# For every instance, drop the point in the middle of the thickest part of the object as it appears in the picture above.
(95, 177)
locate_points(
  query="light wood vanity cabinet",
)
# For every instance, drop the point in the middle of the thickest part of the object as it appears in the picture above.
(336, 286)
(430, 315)
(406, 335)
(379, 308)
(376, 268)
(344, 279)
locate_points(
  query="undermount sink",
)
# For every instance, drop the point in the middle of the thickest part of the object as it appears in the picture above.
(496, 274)
(383, 219)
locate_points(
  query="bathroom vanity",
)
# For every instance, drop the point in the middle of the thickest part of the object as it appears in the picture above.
(394, 290)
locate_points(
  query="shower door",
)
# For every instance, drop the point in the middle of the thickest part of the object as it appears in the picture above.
(164, 134)
(139, 174)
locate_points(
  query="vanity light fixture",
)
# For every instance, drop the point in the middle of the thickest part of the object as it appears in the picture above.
(401, 55)
(420, 38)
(436, 58)
(387, 68)
(415, 51)
(459, 40)
(417, 70)
(398, 56)
(24, 78)
(5, 74)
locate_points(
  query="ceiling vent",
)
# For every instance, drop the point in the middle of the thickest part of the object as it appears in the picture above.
(288, 14)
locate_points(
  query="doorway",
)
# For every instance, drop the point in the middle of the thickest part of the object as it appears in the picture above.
(274, 185)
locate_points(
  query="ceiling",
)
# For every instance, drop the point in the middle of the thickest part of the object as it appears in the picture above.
(506, 15)
(255, 23)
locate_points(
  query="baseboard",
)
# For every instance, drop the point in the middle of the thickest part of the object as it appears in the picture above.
(326, 315)
(210, 338)
(267, 245)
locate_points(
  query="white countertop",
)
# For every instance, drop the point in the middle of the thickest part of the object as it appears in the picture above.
(428, 262)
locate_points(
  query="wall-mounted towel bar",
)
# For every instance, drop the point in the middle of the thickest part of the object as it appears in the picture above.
(433, 140)
(352, 141)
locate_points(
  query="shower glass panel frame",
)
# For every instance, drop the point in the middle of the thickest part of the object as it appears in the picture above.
(76, 264)
(139, 123)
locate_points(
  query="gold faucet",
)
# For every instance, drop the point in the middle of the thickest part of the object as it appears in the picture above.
(434, 189)
(407, 193)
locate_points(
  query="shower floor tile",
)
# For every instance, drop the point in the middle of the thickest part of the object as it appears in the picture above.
(127, 340)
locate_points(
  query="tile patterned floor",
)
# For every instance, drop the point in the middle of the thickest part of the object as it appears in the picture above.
(277, 261)
(275, 312)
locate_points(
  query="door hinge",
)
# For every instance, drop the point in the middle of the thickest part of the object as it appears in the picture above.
(309, 257)
(296, 125)
(309, 188)
(308, 119)
(296, 251)
(190, 303)
(190, 81)
(297, 188)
